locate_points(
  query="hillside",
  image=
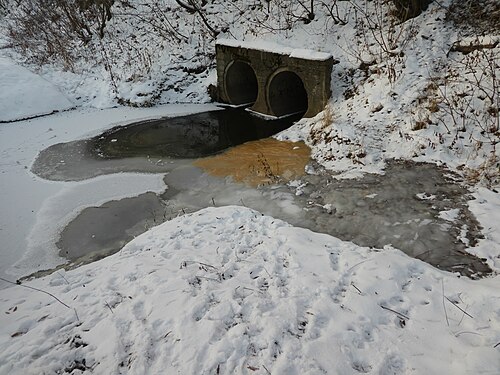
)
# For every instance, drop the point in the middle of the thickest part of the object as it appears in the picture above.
(225, 278)
(424, 89)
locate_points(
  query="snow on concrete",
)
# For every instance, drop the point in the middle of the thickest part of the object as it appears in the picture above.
(230, 291)
(24, 94)
(266, 46)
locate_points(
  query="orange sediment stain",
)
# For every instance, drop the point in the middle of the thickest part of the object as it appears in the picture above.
(262, 162)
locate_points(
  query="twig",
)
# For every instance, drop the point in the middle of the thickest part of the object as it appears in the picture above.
(207, 265)
(498, 343)
(193, 8)
(465, 49)
(42, 291)
(358, 264)
(267, 272)
(109, 307)
(458, 307)
(462, 318)
(76, 314)
(462, 332)
(38, 290)
(265, 368)
(209, 278)
(60, 274)
(419, 255)
(395, 312)
(186, 262)
(355, 287)
(444, 306)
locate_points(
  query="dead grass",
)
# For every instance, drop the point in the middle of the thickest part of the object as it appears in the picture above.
(476, 16)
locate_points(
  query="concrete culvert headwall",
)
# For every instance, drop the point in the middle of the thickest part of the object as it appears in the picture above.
(278, 80)
(286, 94)
(241, 83)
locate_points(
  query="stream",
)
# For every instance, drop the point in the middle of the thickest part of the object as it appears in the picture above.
(225, 158)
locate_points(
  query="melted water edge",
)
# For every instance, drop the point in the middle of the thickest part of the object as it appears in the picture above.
(400, 208)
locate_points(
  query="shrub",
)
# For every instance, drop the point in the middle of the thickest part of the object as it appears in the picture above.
(44, 29)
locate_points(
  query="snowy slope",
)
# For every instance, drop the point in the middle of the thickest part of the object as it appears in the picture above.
(393, 88)
(24, 94)
(229, 291)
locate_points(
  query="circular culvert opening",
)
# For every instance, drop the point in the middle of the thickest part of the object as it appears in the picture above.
(287, 94)
(241, 83)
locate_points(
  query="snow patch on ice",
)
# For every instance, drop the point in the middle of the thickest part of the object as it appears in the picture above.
(449, 215)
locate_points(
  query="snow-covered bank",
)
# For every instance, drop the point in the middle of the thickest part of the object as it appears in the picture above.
(486, 207)
(33, 209)
(24, 94)
(227, 290)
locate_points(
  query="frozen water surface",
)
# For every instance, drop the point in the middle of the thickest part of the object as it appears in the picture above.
(99, 231)
(408, 207)
(402, 208)
(154, 146)
(375, 211)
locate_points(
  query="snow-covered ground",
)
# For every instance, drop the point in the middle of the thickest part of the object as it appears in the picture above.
(25, 94)
(230, 291)
(398, 90)
(227, 290)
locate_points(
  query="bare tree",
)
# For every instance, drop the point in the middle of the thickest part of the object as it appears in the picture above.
(194, 8)
(51, 28)
(309, 10)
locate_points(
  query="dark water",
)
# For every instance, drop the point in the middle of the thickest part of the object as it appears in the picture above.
(401, 208)
(103, 230)
(155, 146)
(187, 137)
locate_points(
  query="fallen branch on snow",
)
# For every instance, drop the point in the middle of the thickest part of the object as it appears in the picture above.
(395, 312)
(42, 291)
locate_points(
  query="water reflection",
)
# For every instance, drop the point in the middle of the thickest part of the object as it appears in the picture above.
(401, 208)
(187, 137)
(155, 146)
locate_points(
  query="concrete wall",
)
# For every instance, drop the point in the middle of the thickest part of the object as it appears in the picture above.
(315, 76)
